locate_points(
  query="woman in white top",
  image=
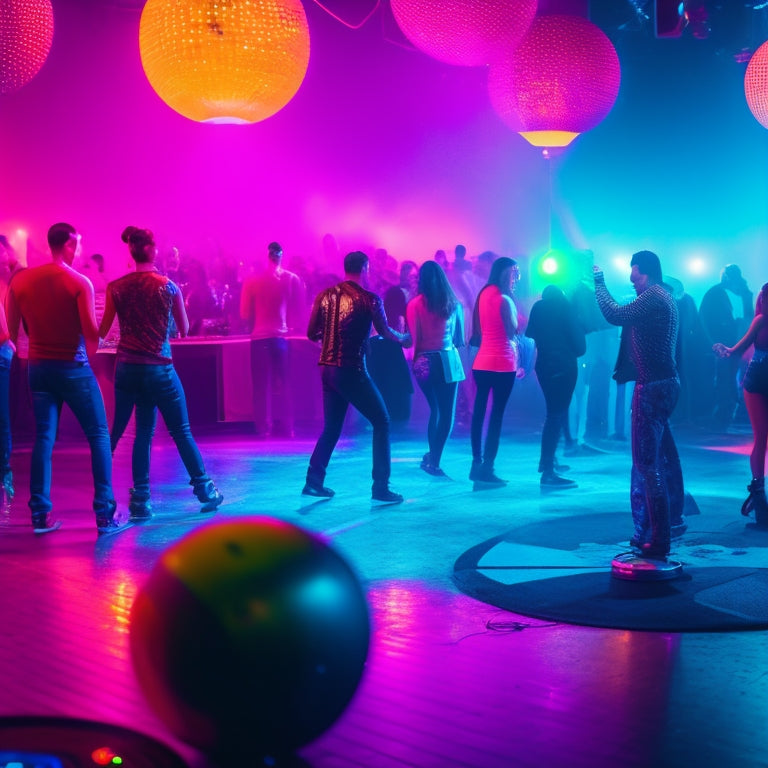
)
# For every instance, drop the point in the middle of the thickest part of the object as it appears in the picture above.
(436, 322)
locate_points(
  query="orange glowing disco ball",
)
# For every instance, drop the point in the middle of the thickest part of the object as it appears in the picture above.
(26, 33)
(225, 61)
(756, 84)
(562, 80)
(464, 32)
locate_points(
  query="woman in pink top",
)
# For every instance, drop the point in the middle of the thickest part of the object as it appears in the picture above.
(436, 322)
(495, 320)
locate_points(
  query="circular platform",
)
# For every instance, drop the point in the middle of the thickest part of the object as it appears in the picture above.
(633, 567)
(563, 570)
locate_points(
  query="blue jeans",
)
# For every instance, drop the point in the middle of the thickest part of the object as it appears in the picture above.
(53, 383)
(6, 356)
(656, 493)
(343, 387)
(149, 388)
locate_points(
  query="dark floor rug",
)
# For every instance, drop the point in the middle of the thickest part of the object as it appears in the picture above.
(547, 571)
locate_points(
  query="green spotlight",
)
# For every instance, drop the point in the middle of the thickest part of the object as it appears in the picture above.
(551, 268)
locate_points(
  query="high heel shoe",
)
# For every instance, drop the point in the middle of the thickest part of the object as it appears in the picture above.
(756, 502)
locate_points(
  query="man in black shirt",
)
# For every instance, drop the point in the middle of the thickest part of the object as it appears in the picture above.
(341, 319)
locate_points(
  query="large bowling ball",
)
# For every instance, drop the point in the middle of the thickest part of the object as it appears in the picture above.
(250, 637)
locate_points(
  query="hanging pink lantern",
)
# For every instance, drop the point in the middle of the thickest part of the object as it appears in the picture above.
(560, 81)
(26, 33)
(464, 32)
(756, 85)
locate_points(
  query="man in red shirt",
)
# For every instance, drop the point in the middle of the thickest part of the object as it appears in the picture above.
(56, 305)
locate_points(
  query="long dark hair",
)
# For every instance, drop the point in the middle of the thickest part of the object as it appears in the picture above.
(436, 290)
(498, 278)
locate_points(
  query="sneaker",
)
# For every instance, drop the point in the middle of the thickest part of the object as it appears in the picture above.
(112, 521)
(214, 502)
(477, 469)
(488, 476)
(209, 496)
(319, 491)
(430, 468)
(386, 496)
(45, 524)
(140, 511)
(106, 527)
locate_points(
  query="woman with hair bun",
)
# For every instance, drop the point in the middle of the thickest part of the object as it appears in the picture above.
(144, 302)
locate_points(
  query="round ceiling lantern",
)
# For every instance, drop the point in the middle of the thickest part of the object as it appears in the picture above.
(26, 33)
(464, 32)
(225, 61)
(562, 80)
(756, 84)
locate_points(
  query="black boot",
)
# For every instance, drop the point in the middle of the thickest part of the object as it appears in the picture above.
(756, 502)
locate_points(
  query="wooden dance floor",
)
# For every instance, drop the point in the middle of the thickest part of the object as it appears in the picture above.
(451, 682)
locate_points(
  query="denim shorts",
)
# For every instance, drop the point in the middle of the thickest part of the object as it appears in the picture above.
(756, 377)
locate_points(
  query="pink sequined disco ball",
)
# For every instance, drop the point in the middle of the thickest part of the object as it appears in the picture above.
(756, 84)
(26, 33)
(464, 32)
(561, 80)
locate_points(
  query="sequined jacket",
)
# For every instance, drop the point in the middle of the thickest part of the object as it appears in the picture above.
(341, 318)
(653, 326)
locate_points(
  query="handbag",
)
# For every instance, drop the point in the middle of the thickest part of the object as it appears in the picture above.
(450, 362)
(453, 370)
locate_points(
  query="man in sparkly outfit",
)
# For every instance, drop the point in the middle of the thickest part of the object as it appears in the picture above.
(652, 323)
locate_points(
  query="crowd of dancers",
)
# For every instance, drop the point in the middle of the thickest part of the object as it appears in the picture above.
(458, 319)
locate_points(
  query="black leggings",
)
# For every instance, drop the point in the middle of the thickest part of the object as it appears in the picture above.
(441, 398)
(501, 385)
